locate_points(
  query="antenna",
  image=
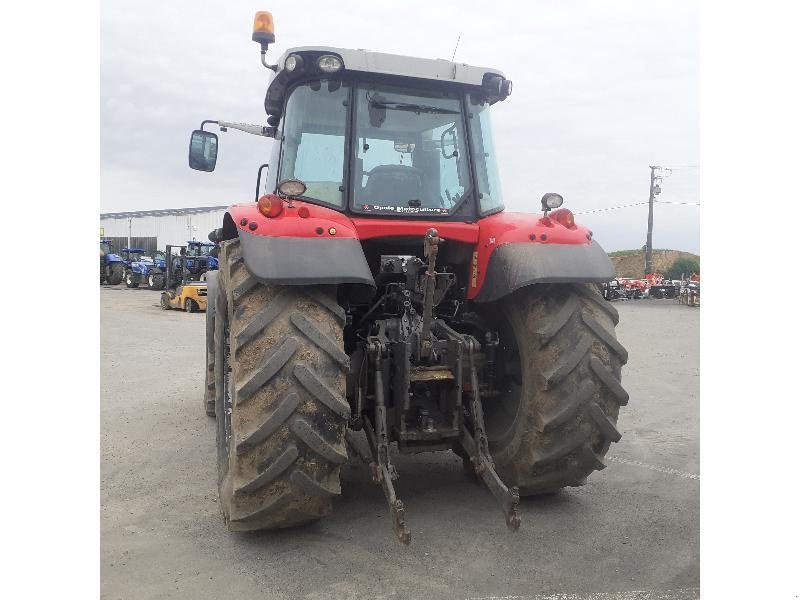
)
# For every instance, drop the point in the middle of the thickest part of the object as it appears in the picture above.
(456, 48)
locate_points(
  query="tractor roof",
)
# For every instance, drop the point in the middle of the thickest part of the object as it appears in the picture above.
(133, 249)
(379, 63)
(195, 243)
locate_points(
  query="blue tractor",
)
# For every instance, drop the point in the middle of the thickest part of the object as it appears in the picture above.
(150, 270)
(200, 257)
(112, 267)
(130, 256)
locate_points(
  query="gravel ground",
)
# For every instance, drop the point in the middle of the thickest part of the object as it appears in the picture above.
(631, 533)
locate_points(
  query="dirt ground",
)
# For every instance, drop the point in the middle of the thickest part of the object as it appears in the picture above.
(632, 265)
(631, 533)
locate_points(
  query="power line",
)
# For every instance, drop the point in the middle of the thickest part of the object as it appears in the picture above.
(607, 208)
(586, 212)
(671, 202)
(456, 48)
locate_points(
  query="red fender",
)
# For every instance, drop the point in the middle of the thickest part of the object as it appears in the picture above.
(523, 228)
(514, 232)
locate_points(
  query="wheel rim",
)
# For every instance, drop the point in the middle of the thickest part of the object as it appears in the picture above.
(150, 281)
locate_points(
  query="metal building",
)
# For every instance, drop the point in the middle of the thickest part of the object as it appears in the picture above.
(154, 229)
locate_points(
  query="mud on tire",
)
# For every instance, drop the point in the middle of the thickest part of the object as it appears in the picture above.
(280, 385)
(116, 273)
(131, 279)
(155, 281)
(210, 388)
(567, 385)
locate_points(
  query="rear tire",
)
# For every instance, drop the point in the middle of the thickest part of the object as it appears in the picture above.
(116, 273)
(210, 388)
(131, 279)
(281, 411)
(567, 385)
(155, 281)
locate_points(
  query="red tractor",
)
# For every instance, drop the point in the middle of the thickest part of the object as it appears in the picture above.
(634, 289)
(379, 286)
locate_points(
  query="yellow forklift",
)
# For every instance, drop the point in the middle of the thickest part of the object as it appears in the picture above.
(184, 289)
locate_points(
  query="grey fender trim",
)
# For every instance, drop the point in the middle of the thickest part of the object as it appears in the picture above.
(515, 265)
(304, 261)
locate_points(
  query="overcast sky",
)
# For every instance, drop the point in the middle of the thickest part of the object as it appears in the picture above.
(601, 91)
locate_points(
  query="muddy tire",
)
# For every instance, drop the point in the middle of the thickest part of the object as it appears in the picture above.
(189, 305)
(557, 416)
(165, 298)
(131, 279)
(155, 281)
(116, 273)
(210, 388)
(281, 409)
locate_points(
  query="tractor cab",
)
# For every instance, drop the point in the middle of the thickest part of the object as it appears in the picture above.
(131, 255)
(379, 135)
(199, 258)
(160, 259)
(107, 250)
(195, 248)
(376, 135)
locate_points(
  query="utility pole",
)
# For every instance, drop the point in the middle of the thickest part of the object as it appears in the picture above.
(655, 189)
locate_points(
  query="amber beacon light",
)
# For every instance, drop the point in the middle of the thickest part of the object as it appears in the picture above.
(264, 28)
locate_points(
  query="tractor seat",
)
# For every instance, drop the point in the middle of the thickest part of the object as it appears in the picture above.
(394, 185)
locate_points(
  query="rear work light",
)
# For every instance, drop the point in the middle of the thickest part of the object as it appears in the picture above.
(329, 63)
(270, 205)
(563, 216)
(292, 62)
(551, 201)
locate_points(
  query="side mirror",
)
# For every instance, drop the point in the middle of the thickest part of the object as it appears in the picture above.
(203, 150)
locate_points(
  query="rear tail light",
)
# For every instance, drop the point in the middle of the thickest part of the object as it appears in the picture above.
(270, 205)
(564, 216)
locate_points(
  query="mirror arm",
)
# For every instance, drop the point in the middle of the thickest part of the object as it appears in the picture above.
(203, 124)
(246, 127)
